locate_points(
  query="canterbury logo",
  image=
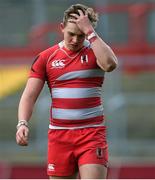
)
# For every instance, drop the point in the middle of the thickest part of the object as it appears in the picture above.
(58, 63)
(51, 167)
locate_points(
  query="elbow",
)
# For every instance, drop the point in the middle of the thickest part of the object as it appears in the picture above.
(111, 66)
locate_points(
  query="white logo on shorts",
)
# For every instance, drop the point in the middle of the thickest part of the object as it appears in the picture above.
(59, 63)
(51, 167)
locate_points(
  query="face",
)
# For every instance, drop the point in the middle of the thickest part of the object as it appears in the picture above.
(73, 37)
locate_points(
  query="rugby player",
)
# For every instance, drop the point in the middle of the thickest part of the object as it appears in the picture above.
(74, 70)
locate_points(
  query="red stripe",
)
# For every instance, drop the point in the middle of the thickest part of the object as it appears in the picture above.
(79, 103)
(80, 82)
(76, 123)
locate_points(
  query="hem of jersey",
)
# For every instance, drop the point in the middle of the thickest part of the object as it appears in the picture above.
(80, 127)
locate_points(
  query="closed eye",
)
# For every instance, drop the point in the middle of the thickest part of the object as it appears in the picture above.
(81, 36)
(71, 34)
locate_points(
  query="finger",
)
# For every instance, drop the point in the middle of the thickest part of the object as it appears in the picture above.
(81, 12)
(72, 20)
(25, 143)
(86, 13)
(20, 134)
(26, 132)
(22, 142)
(21, 139)
(23, 132)
(75, 15)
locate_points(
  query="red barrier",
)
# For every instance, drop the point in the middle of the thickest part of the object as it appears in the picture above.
(134, 171)
(28, 172)
(4, 170)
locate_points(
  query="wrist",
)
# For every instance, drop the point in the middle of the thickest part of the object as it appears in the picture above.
(22, 123)
(91, 36)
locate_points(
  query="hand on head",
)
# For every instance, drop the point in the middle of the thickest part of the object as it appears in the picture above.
(82, 21)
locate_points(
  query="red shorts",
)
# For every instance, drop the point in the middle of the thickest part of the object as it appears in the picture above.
(68, 149)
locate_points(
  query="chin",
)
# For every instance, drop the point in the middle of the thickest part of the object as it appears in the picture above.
(75, 48)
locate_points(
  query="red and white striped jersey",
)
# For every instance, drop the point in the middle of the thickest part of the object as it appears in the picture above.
(75, 82)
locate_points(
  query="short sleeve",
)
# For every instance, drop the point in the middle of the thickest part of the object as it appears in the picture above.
(38, 68)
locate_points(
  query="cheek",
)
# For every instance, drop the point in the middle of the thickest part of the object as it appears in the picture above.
(67, 38)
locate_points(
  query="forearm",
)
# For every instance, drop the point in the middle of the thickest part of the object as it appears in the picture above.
(25, 109)
(26, 105)
(29, 97)
(106, 58)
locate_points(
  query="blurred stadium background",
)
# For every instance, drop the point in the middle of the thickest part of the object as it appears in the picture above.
(30, 26)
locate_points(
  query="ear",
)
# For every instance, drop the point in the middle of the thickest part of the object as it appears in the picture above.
(62, 27)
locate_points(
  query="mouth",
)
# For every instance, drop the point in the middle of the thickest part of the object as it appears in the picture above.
(75, 45)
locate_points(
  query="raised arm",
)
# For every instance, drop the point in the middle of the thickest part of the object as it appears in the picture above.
(26, 105)
(106, 58)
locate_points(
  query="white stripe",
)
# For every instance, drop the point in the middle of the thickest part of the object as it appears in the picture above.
(82, 74)
(76, 114)
(71, 93)
(78, 127)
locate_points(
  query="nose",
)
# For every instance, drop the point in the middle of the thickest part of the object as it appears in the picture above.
(75, 39)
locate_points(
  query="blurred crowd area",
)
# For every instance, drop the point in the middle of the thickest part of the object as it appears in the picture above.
(30, 26)
(22, 20)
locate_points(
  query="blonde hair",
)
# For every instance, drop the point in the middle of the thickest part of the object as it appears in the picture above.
(92, 15)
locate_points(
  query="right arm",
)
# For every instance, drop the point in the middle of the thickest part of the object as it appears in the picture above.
(26, 105)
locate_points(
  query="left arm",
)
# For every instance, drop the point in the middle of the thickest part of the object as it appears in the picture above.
(106, 58)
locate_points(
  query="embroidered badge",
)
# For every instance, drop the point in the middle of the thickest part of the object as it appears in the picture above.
(84, 59)
(99, 152)
(59, 63)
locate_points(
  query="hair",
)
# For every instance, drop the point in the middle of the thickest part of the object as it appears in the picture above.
(92, 15)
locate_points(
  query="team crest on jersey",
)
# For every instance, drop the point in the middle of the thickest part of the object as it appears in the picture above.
(59, 63)
(84, 59)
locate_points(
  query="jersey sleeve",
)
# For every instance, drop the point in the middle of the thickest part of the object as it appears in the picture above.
(38, 68)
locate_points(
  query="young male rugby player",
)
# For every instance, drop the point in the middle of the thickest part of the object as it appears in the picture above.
(74, 70)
